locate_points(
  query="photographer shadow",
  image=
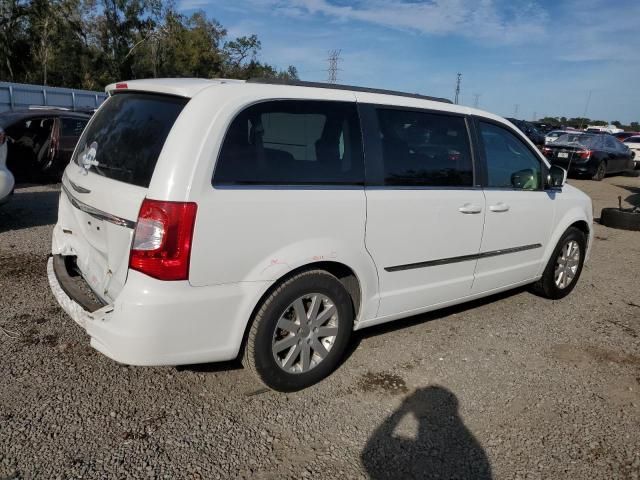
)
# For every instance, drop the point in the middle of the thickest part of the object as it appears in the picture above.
(442, 447)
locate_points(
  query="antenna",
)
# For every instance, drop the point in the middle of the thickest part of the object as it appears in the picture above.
(476, 100)
(586, 107)
(334, 58)
(457, 88)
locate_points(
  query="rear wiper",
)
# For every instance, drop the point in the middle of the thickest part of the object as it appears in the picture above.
(115, 169)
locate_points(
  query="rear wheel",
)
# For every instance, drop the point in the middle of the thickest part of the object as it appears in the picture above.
(564, 267)
(601, 171)
(300, 332)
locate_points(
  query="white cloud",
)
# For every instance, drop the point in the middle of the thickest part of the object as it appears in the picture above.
(488, 20)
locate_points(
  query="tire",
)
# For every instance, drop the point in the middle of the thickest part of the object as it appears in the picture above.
(547, 286)
(601, 171)
(622, 219)
(278, 320)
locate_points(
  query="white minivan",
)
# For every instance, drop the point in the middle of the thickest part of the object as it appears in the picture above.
(202, 220)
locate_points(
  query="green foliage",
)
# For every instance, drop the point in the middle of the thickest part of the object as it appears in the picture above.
(582, 122)
(90, 43)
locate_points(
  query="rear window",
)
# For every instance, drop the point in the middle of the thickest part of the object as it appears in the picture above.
(72, 127)
(125, 137)
(292, 142)
(424, 149)
(632, 140)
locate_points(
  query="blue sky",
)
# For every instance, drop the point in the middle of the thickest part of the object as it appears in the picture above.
(543, 56)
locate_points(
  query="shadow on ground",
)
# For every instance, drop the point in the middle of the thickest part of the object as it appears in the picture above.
(634, 198)
(425, 438)
(26, 209)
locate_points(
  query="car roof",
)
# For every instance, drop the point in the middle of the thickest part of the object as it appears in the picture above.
(182, 87)
(9, 117)
(257, 89)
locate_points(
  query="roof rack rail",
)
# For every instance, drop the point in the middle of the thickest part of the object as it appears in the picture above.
(47, 107)
(336, 86)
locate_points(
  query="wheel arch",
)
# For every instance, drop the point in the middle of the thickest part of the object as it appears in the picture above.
(344, 273)
(575, 217)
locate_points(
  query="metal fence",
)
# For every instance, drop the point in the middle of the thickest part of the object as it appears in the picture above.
(20, 96)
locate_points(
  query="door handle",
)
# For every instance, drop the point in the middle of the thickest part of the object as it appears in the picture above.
(469, 208)
(499, 207)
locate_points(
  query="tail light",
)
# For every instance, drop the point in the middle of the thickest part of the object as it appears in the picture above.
(584, 154)
(162, 239)
(547, 150)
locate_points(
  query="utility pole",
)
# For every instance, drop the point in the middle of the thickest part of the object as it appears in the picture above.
(516, 107)
(334, 58)
(534, 116)
(476, 100)
(458, 88)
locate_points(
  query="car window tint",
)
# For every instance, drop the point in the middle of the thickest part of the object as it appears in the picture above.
(292, 142)
(125, 137)
(632, 140)
(610, 143)
(72, 127)
(424, 149)
(510, 163)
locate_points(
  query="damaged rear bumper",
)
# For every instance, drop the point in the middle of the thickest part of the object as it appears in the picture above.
(153, 322)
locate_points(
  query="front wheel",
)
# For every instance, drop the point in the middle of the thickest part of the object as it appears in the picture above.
(564, 267)
(300, 332)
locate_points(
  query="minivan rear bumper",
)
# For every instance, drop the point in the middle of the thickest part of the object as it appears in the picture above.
(163, 323)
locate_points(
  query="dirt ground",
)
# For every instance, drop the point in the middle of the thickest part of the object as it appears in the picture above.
(513, 386)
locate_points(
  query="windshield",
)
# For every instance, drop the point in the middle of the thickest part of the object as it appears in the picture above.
(125, 137)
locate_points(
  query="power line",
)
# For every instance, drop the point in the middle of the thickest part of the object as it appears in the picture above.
(458, 88)
(334, 58)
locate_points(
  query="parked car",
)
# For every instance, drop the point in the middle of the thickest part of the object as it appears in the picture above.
(215, 219)
(612, 129)
(44, 139)
(633, 143)
(624, 135)
(529, 130)
(553, 136)
(7, 181)
(594, 155)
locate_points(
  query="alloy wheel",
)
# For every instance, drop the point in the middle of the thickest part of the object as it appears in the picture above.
(567, 264)
(305, 333)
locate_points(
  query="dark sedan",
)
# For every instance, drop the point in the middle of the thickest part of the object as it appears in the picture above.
(529, 130)
(41, 141)
(594, 155)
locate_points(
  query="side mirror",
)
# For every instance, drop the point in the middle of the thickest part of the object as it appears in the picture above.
(556, 177)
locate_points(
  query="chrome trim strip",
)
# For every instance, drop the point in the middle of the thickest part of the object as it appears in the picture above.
(99, 214)
(462, 258)
(78, 188)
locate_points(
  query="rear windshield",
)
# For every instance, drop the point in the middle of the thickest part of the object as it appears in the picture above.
(125, 137)
(573, 138)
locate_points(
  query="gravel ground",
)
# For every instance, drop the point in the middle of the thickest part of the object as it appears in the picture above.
(513, 386)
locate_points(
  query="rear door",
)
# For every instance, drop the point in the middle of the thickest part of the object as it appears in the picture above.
(106, 181)
(424, 211)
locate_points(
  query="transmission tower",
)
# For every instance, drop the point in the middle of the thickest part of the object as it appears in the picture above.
(516, 107)
(476, 100)
(334, 58)
(458, 88)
